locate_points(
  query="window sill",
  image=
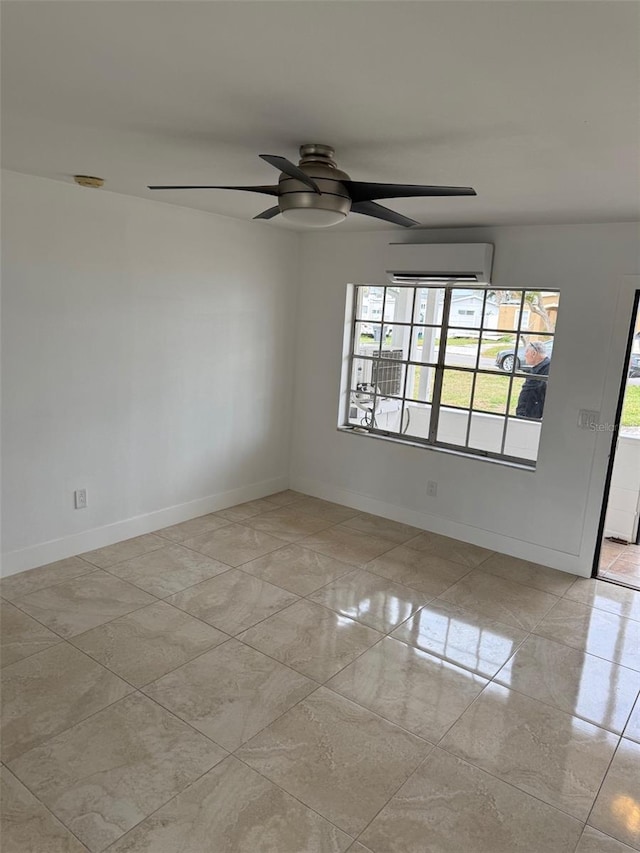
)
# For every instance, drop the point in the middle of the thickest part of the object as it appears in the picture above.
(508, 463)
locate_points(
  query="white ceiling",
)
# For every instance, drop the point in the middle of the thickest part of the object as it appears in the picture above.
(535, 104)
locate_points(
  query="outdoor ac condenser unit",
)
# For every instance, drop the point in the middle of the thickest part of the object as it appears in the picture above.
(384, 373)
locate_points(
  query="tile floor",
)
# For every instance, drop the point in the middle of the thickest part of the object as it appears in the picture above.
(620, 563)
(292, 676)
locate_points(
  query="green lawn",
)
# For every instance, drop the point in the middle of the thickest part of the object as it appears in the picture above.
(631, 408)
(369, 339)
(492, 351)
(488, 350)
(491, 394)
(491, 391)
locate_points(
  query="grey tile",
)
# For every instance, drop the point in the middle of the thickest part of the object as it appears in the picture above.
(332, 512)
(586, 686)
(604, 595)
(632, 731)
(616, 811)
(144, 645)
(26, 826)
(232, 809)
(427, 573)
(109, 772)
(230, 693)
(528, 573)
(297, 569)
(394, 531)
(21, 636)
(75, 606)
(283, 498)
(287, 524)
(311, 639)
(49, 692)
(448, 806)
(370, 599)
(351, 546)
(335, 757)
(192, 527)
(417, 691)
(472, 641)
(233, 601)
(500, 599)
(450, 549)
(168, 570)
(21, 584)
(241, 512)
(234, 544)
(595, 631)
(593, 841)
(108, 556)
(557, 758)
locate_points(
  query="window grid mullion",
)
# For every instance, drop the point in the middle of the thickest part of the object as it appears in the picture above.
(475, 372)
(505, 428)
(406, 366)
(378, 368)
(437, 384)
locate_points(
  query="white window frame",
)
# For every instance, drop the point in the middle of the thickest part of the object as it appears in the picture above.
(447, 322)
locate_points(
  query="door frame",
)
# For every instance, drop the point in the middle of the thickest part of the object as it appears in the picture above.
(614, 436)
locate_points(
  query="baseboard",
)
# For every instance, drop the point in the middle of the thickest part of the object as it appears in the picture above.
(437, 524)
(618, 534)
(69, 546)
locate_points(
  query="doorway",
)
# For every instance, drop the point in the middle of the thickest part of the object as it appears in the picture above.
(617, 555)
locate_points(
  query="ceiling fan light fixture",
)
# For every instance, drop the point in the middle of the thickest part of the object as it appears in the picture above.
(316, 194)
(313, 217)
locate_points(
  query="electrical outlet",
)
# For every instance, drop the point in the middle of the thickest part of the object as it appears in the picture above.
(80, 498)
(432, 488)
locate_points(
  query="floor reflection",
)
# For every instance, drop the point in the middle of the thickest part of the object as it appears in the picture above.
(620, 562)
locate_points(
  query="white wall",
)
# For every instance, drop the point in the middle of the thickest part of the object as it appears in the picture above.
(147, 357)
(549, 515)
(624, 492)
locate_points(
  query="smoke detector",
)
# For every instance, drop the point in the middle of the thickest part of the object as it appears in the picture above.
(88, 181)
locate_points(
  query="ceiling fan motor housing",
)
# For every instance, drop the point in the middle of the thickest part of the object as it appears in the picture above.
(316, 161)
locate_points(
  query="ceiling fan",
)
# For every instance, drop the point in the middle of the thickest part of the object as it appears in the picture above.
(316, 194)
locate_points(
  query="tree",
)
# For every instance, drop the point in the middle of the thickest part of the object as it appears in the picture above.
(532, 298)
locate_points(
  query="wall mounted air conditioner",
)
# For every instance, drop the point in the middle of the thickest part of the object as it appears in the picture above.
(468, 260)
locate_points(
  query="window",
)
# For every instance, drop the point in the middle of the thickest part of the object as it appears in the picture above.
(525, 316)
(453, 365)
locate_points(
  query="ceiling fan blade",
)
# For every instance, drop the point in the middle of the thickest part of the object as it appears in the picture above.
(366, 191)
(267, 190)
(268, 214)
(288, 168)
(370, 208)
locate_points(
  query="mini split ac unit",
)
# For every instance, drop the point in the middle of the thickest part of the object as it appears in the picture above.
(448, 260)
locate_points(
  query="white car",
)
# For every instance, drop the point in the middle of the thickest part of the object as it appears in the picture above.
(366, 330)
